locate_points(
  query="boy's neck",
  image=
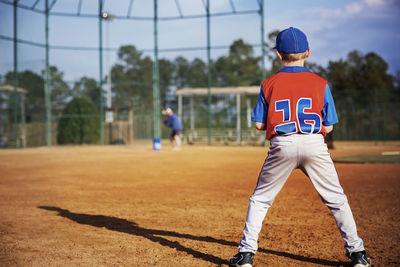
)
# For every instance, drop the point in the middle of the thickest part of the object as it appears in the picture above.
(298, 63)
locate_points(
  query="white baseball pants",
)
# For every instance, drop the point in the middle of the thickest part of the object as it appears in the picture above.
(309, 153)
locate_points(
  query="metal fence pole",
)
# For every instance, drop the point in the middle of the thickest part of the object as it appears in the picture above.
(263, 74)
(23, 125)
(47, 82)
(248, 112)
(101, 72)
(180, 107)
(156, 81)
(238, 126)
(208, 73)
(15, 93)
(191, 114)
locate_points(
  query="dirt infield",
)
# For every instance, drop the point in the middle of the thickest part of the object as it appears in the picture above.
(131, 206)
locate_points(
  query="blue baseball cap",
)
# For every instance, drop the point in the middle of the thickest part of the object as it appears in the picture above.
(291, 41)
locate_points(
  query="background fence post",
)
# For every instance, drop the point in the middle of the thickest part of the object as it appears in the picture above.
(15, 93)
(47, 82)
(263, 74)
(238, 128)
(101, 72)
(156, 82)
(208, 72)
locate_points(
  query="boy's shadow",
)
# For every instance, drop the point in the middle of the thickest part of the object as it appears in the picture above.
(125, 226)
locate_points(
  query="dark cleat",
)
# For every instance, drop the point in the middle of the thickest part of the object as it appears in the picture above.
(242, 259)
(359, 259)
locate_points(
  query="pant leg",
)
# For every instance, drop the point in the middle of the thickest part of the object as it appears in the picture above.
(317, 164)
(281, 161)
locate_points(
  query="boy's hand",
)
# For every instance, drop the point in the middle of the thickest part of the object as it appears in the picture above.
(260, 126)
(328, 129)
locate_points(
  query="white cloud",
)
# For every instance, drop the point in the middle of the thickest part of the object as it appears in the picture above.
(350, 9)
(372, 3)
(326, 13)
(353, 8)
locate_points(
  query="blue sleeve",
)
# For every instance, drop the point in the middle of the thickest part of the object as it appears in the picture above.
(167, 122)
(176, 122)
(329, 116)
(260, 111)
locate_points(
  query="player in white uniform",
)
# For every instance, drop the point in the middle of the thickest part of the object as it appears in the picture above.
(296, 109)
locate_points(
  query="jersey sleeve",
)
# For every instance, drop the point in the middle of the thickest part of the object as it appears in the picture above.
(176, 122)
(167, 122)
(329, 116)
(260, 111)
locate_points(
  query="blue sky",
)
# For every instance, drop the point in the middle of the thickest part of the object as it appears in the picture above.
(334, 28)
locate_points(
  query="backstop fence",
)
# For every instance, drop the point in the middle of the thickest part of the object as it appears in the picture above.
(378, 122)
(31, 49)
(31, 119)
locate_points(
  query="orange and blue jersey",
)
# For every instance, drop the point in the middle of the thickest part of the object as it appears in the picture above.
(295, 100)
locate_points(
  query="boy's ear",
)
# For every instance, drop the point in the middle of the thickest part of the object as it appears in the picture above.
(308, 52)
(278, 54)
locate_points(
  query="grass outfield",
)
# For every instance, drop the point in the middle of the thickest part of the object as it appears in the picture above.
(384, 157)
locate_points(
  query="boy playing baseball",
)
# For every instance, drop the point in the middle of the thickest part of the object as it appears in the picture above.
(296, 109)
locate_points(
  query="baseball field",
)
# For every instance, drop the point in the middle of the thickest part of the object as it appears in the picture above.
(131, 206)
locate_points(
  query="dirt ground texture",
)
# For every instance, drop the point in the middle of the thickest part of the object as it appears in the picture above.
(131, 206)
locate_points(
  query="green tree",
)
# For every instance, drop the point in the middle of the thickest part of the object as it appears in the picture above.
(376, 77)
(34, 84)
(271, 54)
(145, 73)
(361, 78)
(222, 70)
(315, 68)
(338, 73)
(182, 66)
(79, 123)
(244, 68)
(197, 73)
(395, 95)
(3, 98)
(87, 88)
(59, 89)
(132, 79)
(167, 70)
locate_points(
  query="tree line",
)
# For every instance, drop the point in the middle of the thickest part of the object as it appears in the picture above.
(359, 78)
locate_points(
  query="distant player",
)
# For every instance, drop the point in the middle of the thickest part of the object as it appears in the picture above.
(174, 122)
(296, 109)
